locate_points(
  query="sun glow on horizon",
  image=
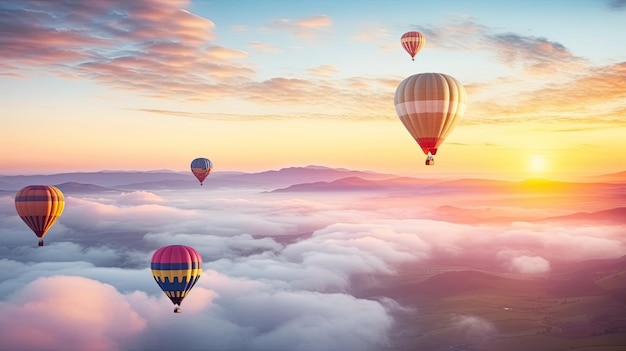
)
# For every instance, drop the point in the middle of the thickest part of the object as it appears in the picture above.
(537, 164)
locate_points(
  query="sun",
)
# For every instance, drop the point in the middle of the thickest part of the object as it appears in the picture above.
(537, 164)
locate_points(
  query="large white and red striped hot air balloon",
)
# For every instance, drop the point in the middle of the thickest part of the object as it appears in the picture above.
(430, 105)
(412, 42)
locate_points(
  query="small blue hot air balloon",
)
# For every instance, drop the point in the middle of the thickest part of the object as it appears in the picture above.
(201, 167)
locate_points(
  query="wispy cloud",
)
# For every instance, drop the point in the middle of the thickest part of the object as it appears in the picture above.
(373, 32)
(536, 55)
(118, 43)
(617, 4)
(457, 35)
(595, 96)
(323, 70)
(124, 45)
(304, 28)
(264, 47)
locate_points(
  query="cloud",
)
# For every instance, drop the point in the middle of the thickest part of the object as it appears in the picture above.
(546, 82)
(537, 55)
(459, 34)
(264, 47)
(73, 39)
(529, 265)
(590, 99)
(182, 61)
(617, 4)
(139, 198)
(69, 313)
(474, 328)
(279, 272)
(304, 28)
(323, 70)
(232, 314)
(373, 32)
(222, 53)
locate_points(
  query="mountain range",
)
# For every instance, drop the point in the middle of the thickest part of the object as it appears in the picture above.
(609, 190)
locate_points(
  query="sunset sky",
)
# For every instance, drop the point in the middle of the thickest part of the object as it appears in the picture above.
(147, 84)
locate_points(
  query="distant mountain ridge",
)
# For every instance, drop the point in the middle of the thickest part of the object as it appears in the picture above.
(355, 183)
(133, 180)
(618, 177)
(74, 187)
(533, 185)
(613, 215)
(312, 178)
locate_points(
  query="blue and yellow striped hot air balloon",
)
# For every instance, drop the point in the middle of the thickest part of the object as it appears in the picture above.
(176, 268)
(39, 206)
(201, 167)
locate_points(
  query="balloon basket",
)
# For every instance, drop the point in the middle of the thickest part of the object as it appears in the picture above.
(40, 243)
(177, 310)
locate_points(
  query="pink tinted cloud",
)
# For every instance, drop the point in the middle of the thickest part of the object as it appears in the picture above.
(323, 70)
(304, 28)
(529, 265)
(123, 44)
(264, 47)
(222, 53)
(68, 313)
(595, 96)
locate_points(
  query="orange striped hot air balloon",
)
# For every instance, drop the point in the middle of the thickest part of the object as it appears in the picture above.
(430, 105)
(39, 206)
(412, 42)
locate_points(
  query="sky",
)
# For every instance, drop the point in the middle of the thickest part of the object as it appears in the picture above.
(146, 85)
(254, 86)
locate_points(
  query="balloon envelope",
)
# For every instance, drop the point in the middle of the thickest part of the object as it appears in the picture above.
(201, 167)
(176, 268)
(430, 105)
(412, 42)
(39, 206)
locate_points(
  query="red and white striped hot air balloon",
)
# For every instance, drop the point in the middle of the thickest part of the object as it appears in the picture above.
(412, 42)
(430, 105)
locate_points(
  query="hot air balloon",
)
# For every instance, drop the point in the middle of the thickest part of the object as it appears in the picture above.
(201, 167)
(39, 206)
(412, 42)
(430, 105)
(176, 268)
